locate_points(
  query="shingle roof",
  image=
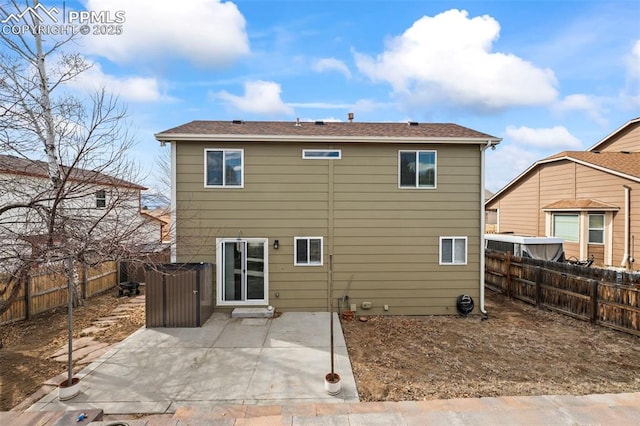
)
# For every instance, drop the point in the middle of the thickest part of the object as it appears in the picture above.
(327, 129)
(625, 163)
(22, 166)
(580, 204)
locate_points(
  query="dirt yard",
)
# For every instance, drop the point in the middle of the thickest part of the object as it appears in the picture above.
(518, 351)
(24, 360)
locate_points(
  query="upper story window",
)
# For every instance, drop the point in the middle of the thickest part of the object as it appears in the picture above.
(596, 229)
(101, 199)
(417, 169)
(321, 154)
(453, 250)
(224, 168)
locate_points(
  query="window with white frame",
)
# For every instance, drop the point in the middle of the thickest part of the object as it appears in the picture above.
(321, 154)
(308, 251)
(417, 169)
(596, 229)
(453, 250)
(223, 168)
(101, 199)
(566, 226)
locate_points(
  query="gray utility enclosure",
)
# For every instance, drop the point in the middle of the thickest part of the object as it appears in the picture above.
(179, 295)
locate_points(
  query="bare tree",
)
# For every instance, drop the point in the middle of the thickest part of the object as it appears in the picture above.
(67, 195)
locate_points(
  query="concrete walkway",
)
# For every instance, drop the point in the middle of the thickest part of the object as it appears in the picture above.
(610, 409)
(227, 361)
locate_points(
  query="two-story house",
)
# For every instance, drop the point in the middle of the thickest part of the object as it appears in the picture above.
(108, 207)
(588, 198)
(391, 212)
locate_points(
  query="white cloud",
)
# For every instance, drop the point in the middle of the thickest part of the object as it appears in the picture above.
(448, 58)
(580, 102)
(204, 32)
(554, 137)
(260, 97)
(632, 90)
(331, 64)
(505, 163)
(136, 89)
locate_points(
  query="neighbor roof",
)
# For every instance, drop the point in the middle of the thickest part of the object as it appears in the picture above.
(320, 130)
(623, 164)
(23, 166)
(613, 134)
(581, 204)
(627, 163)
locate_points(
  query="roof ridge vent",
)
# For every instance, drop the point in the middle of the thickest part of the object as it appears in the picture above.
(238, 122)
(298, 122)
(319, 123)
(412, 123)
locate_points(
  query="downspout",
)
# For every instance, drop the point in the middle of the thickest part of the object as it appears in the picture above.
(626, 257)
(483, 148)
(174, 190)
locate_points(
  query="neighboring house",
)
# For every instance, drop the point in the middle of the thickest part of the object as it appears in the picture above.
(590, 198)
(91, 195)
(396, 206)
(163, 218)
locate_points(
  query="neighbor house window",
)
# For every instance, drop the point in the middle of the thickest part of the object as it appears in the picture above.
(224, 168)
(596, 229)
(101, 199)
(321, 154)
(566, 226)
(308, 251)
(453, 250)
(417, 169)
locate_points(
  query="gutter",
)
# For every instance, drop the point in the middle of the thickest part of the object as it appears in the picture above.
(192, 137)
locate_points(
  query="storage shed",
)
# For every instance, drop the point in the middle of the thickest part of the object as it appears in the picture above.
(179, 295)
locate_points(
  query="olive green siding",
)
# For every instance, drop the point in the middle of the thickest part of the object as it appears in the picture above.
(384, 240)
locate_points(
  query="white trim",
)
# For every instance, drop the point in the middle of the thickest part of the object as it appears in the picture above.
(220, 272)
(200, 137)
(295, 252)
(417, 153)
(305, 151)
(453, 246)
(224, 160)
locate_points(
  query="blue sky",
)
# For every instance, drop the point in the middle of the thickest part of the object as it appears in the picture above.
(545, 76)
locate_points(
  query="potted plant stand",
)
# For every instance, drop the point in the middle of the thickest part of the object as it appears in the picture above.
(332, 384)
(68, 391)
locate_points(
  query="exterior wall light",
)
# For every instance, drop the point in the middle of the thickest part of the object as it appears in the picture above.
(276, 244)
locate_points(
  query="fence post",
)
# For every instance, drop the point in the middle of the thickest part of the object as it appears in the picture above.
(27, 295)
(594, 301)
(507, 258)
(538, 274)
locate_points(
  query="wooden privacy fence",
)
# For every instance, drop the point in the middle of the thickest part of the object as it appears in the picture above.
(606, 297)
(43, 292)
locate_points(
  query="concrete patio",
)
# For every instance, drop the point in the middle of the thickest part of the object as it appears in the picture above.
(227, 361)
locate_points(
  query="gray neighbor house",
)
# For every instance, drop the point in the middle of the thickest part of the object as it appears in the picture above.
(393, 210)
